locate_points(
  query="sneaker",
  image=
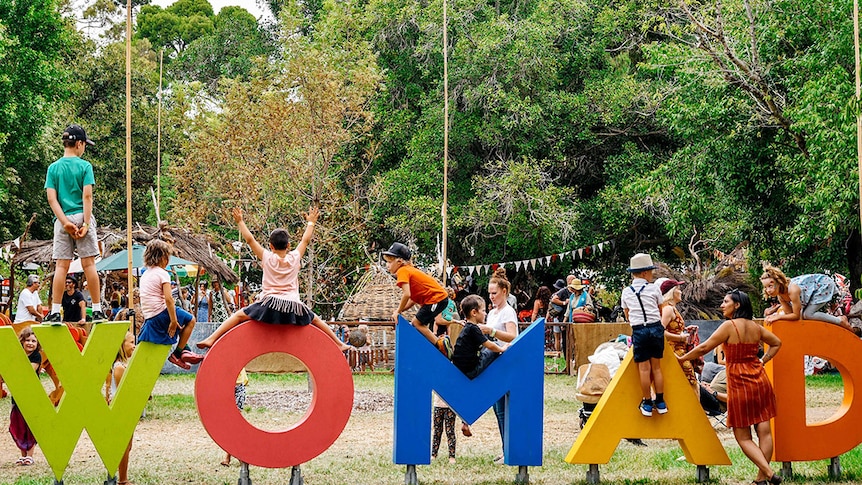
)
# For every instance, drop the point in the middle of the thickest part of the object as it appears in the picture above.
(99, 317)
(173, 359)
(190, 357)
(646, 407)
(54, 319)
(661, 407)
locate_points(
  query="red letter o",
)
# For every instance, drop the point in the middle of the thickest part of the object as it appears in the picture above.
(326, 418)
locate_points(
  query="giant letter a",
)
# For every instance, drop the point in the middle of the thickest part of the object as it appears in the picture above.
(517, 376)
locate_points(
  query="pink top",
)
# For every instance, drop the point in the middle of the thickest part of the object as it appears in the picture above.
(281, 275)
(152, 295)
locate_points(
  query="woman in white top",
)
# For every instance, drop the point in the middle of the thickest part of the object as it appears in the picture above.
(501, 324)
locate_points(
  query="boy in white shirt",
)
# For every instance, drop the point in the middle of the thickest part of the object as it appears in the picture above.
(642, 302)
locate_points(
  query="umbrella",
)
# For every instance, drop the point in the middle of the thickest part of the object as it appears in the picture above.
(120, 260)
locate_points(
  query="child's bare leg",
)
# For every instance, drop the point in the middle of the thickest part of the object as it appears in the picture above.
(657, 376)
(185, 333)
(424, 330)
(238, 317)
(226, 461)
(644, 372)
(323, 326)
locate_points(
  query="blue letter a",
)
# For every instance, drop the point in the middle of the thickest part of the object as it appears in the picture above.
(517, 375)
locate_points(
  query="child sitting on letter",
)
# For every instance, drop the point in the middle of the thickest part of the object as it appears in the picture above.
(162, 318)
(278, 302)
(642, 302)
(473, 351)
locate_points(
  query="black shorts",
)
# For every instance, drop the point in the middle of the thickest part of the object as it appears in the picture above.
(426, 313)
(648, 341)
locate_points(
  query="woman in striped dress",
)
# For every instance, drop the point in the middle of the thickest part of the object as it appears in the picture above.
(750, 399)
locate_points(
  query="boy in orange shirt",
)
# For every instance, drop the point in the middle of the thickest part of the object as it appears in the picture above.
(418, 289)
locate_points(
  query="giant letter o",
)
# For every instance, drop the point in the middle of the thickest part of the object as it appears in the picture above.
(326, 418)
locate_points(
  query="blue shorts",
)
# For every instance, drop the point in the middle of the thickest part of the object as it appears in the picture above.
(155, 329)
(648, 341)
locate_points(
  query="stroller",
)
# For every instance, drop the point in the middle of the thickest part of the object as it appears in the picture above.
(593, 379)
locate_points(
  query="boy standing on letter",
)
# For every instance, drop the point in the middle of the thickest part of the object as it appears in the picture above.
(69, 185)
(642, 302)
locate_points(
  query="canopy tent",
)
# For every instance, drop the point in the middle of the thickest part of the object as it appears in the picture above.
(120, 260)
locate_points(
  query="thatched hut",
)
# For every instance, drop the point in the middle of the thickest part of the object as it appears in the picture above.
(188, 246)
(375, 298)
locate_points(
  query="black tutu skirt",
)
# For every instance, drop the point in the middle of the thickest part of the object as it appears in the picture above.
(280, 312)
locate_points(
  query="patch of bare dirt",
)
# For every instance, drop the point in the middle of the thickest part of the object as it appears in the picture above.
(299, 401)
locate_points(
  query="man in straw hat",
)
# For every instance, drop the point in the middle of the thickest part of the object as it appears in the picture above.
(642, 303)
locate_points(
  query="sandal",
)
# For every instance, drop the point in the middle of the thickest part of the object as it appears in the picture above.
(27, 461)
(19, 461)
(775, 479)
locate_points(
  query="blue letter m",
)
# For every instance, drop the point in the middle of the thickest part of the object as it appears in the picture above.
(517, 376)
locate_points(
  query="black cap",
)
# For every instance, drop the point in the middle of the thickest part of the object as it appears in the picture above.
(76, 133)
(559, 284)
(398, 250)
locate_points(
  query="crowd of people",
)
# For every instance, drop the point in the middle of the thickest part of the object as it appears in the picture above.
(471, 333)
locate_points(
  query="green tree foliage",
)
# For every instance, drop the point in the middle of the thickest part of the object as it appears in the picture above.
(229, 51)
(38, 54)
(273, 148)
(176, 26)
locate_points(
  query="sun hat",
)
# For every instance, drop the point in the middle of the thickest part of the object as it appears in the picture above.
(398, 250)
(559, 284)
(576, 284)
(668, 283)
(640, 262)
(77, 133)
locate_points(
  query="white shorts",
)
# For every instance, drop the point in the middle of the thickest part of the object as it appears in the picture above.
(65, 244)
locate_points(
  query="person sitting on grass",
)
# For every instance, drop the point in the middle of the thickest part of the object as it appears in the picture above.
(279, 301)
(162, 318)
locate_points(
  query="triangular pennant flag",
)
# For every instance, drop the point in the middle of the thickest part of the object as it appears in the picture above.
(232, 263)
(486, 268)
(518, 265)
(449, 271)
(495, 266)
(547, 260)
(17, 242)
(555, 257)
(601, 246)
(533, 263)
(247, 264)
(581, 253)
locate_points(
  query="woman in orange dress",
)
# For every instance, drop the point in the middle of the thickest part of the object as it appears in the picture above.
(750, 399)
(674, 326)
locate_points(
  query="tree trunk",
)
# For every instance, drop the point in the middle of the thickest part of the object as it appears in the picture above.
(854, 260)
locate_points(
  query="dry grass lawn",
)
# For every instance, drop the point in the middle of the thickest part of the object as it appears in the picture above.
(171, 446)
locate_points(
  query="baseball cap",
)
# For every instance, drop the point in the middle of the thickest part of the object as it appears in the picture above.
(76, 133)
(668, 283)
(32, 279)
(398, 250)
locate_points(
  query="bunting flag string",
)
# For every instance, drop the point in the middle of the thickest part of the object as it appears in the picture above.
(574, 254)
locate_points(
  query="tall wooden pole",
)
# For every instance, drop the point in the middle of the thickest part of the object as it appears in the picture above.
(445, 208)
(159, 145)
(858, 98)
(129, 143)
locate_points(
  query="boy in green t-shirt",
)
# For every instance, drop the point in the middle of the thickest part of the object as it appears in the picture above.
(69, 185)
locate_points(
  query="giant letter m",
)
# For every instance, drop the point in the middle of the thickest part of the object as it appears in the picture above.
(517, 376)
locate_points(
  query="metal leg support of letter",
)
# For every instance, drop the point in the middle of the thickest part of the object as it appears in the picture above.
(295, 476)
(244, 478)
(523, 475)
(702, 474)
(58, 482)
(410, 477)
(593, 474)
(111, 480)
(786, 469)
(835, 468)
